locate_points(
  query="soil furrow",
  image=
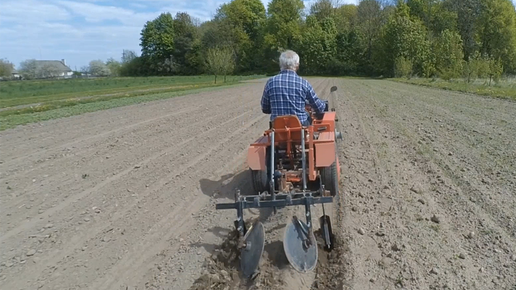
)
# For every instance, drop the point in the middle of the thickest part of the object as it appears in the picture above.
(192, 204)
(125, 198)
(238, 119)
(97, 155)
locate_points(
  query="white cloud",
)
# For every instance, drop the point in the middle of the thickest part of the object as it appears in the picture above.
(80, 31)
(31, 11)
(138, 5)
(97, 13)
(83, 30)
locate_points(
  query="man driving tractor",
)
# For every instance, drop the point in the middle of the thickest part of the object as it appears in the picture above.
(287, 93)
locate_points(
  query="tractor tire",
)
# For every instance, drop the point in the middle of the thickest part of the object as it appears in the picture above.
(260, 181)
(330, 180)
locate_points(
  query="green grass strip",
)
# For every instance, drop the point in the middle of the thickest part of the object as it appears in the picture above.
(502, 91)
(14, 93)
(42, 113)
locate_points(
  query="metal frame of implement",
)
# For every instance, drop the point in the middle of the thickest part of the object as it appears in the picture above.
(304, 237)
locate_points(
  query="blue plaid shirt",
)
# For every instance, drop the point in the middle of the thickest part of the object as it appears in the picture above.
(286, 94)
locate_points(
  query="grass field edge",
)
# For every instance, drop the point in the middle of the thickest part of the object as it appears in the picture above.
(13, 121)
(492, 92)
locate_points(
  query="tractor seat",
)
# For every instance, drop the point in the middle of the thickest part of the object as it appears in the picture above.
(290, 122)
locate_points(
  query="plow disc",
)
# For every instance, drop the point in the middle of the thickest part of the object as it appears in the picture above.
(299, 246)
(299, 241)
(252, 249)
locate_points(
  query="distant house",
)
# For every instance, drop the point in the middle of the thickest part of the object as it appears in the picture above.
(53, 68)
(15, 74)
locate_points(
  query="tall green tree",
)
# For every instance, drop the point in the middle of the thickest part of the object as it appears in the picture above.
(28, 69)
(434, 15)
(406, 37)
(322, 9)
(282, 29)
(220, 61)
(217, 33)
(6, 68)
(185, 34)
(496, 32)
(157, 43)
(194, 58)
(284, 23)
(114, 67)
(349, 53)
(467, 12)
(242, 20)
(98, 68)
(370, 20)
(449, 55)
(346, 17)
(319, 45)
(128, 56)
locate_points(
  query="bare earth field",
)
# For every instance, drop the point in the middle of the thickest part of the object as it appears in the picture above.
(125, 198)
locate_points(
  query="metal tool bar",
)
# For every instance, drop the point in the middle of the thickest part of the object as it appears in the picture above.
(280, 196)
(273, 203)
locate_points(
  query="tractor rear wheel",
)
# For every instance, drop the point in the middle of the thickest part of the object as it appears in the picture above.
(260, 180)
(330, 179)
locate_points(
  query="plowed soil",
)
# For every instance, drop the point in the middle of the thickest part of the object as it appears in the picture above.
(125, 198)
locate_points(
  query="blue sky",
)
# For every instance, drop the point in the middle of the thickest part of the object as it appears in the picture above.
(81, 31)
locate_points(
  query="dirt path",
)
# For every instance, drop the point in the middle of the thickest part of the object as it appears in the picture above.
(124, 198)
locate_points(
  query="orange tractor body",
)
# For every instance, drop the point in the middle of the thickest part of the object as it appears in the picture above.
(320, 146)
(290, 165)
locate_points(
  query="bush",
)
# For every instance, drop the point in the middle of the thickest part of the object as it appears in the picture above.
(403, 67)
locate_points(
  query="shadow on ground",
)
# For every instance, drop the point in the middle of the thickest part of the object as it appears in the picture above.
(227, 185)
(276, 254)
(223, 190)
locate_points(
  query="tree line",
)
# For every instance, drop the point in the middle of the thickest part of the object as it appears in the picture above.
(29, 69)
(427, 38)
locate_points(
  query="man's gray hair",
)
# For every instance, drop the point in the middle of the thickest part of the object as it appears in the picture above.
(289, 60)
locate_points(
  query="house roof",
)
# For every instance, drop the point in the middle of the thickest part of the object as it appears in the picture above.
(57, 63)
(13, 70)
